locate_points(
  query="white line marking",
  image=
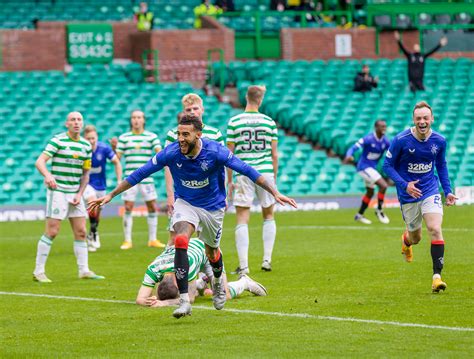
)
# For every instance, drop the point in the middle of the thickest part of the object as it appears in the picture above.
(302, 227)
(259, 312)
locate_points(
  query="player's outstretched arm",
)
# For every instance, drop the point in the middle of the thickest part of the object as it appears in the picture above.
(169, 191)
(102, 201)
(262, 182)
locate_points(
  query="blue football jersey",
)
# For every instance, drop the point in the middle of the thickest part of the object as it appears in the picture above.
(372, 150)
(198, 180)
(97, 178)
(409, 159)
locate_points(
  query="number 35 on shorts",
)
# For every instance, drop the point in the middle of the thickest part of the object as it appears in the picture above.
(437, 201)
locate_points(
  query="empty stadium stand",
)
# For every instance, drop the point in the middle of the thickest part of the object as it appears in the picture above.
(315, 101)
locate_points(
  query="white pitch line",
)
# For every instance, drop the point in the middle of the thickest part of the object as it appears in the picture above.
(302, 227)
(259, 312)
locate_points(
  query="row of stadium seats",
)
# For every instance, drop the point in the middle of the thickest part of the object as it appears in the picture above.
(311, 99)
(168, 14)
(315, 100)
(36, 104)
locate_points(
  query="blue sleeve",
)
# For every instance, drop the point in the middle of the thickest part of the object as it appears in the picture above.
(442, 169)
(358, 145)
(391, 158)
(109, 152)
(227, 158)
(155, 164)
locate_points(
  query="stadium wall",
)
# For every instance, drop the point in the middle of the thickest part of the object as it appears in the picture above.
(42, 49)
(185, 44)
(311, 44)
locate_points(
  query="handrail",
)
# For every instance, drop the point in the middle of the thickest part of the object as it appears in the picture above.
(421, 28)
(258, 15)
(221, 68)
(155, 72)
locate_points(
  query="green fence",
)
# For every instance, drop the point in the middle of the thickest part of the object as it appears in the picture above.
(259, 42)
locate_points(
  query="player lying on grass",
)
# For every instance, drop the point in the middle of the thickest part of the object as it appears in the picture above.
(160, 274)
(197, 166)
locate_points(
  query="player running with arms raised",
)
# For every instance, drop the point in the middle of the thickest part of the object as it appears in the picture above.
(410, 163)
(197, 166)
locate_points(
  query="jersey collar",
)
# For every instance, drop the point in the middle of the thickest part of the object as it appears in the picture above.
(412, 130)
(197, 154)
(378, 139)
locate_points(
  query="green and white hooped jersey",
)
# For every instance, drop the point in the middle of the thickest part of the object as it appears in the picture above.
(252, 133)
(69, 159)
(208, 132)
(137, 149)
(164, 263)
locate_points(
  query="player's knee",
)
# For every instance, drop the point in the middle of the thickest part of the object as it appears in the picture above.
(435, 231)
(151, 207)
(80, 233)
(181, 241)
(93, 213)
(214, 255)
(415, 237)
(128, 206)
(52, 231)
(370, 192)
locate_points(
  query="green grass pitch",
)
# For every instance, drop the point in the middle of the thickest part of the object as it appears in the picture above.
(325, 265)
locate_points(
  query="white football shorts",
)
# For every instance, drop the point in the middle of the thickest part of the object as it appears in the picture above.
(58, 206)
(413, 212)
(245, 191)
(370, 176)
(208, 222)
(91, 192)
(148, 192)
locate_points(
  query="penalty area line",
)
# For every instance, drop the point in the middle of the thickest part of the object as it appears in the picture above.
(258, 312)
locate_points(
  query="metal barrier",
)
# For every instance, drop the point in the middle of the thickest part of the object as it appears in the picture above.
(222, 69)
(153, 69)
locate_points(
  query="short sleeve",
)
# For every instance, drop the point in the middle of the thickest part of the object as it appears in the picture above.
(121, 145)
(230, 133)
(170, 137)
(156, 144)
(109, 152)
(51, 147)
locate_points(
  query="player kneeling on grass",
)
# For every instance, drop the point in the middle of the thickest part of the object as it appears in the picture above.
(197, 167)
(161, 271)
(71, 162)
(101, 152)
(410, 162)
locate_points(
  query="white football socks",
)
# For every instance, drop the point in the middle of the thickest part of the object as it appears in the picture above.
(242, 244)
(42, 252)
(152, 221)
(82, 256)
(237, 288)
(268, 234)
(127, 226)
